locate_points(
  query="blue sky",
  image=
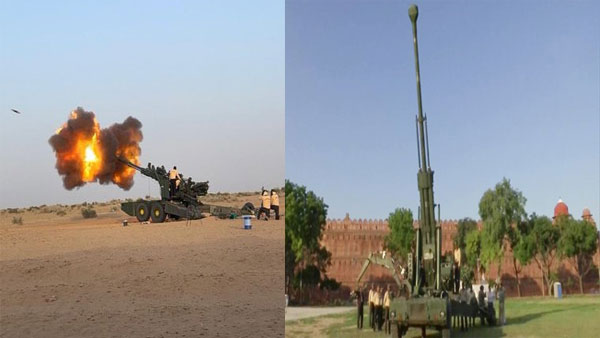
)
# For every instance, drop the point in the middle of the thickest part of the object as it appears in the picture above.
(511, 89)
(206, 79)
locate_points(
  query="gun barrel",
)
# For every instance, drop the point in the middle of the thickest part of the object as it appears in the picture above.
(129, 164)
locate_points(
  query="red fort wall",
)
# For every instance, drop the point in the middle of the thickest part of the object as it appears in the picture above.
(351, 240)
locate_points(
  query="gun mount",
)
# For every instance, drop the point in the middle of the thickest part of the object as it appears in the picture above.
(385, 260)
(183, 203)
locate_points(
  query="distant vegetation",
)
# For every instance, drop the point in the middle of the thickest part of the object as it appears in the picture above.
(88, 212)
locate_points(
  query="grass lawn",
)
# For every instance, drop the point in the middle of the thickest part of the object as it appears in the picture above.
(572, 316)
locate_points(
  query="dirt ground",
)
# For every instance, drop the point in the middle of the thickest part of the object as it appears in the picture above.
(66, 276)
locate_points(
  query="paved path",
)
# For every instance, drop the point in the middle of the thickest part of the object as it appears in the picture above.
(300, 312)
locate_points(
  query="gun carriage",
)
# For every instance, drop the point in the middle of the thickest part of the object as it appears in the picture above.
(183, 203)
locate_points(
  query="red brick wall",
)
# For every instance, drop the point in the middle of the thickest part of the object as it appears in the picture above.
(351, 240)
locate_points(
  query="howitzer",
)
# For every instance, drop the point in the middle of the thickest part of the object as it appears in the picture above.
(182, 203)
(430, 303)
(187, 192)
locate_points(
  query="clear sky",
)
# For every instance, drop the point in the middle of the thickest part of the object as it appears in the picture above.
(511, 89)
(206, 79)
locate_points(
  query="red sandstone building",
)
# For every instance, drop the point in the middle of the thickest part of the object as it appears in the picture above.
(351, 240)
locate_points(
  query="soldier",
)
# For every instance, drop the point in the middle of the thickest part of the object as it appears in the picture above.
(265, 205)
(173, 178)
(490, 301)
(275, 203)
(387, 298)
(464, 299)
(380, 309)
(360, 302)
(501, 296)
(456, 270)
(481, 303)
(372, 307)
(472, 301)
(376, 305)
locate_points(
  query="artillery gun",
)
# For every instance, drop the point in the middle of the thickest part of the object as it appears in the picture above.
(430, 302)
(184, 203)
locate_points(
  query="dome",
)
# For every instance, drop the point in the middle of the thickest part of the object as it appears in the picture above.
(561, 209)
(586, 213)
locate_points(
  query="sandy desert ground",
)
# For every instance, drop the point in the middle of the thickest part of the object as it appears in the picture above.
(66, 276)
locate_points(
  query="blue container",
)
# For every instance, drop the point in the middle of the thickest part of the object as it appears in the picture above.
(557, 290)
(247, 223)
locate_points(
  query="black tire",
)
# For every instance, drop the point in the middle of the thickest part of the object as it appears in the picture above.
(141, 212)
(157, 212)
(249, 208)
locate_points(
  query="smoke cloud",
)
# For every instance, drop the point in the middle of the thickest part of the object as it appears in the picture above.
(85, 153)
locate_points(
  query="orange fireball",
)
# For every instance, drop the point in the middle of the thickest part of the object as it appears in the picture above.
(85, 153)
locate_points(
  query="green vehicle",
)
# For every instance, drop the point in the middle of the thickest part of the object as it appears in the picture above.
(183, 204)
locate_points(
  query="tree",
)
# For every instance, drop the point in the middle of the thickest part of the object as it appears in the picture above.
(400, 239)
(522, 252)
(465, 226)
(305, 219)
(499, 209)
(541, 243)
(472, 248)
(578, 243)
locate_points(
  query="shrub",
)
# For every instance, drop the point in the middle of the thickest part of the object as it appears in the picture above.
(17, 220)
(61, 212)
(88, 213)
(114, 209)
(13, 210)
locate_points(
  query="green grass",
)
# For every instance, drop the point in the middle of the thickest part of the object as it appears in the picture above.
(573, 316)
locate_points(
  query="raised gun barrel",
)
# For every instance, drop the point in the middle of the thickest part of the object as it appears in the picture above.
(428, 253)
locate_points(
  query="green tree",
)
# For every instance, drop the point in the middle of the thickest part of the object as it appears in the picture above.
(400, 239)
(465, 226)
(305, 219)
(472, 248)
(499, 209)
(541, 243)
(522, 252)
(578, 243)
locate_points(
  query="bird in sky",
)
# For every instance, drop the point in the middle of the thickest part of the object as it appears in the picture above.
(16, 111)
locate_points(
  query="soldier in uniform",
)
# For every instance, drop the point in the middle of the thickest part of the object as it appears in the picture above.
(490, 300)
(275, 203)
(481, 303)
(501, 296)
(360, 302)
(265, 206)
(173, 178)
(376, 305)
(387, 298)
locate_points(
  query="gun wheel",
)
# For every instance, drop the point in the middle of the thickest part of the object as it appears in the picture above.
(141, 212)
(157, 212)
